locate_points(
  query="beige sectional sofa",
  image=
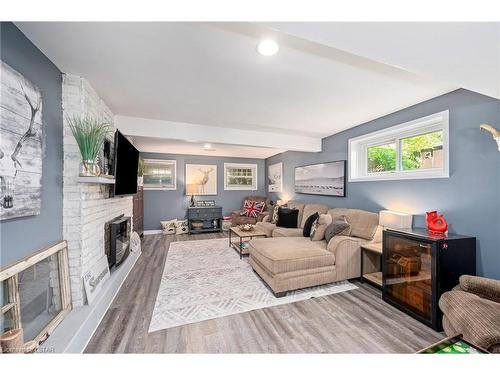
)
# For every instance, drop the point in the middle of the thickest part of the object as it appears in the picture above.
(286, 260)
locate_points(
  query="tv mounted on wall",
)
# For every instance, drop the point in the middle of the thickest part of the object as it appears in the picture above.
(126, 164)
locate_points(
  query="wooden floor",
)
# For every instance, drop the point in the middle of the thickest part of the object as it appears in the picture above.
(356, 321)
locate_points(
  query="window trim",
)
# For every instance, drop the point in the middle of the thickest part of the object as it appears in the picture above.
(358, 149)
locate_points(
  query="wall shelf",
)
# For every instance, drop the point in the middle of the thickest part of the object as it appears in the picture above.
(95, 180)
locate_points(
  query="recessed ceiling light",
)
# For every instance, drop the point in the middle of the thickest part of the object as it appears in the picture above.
(207, 146)
(268, 47)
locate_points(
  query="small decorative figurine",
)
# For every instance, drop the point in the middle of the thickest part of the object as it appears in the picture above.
(436, 223)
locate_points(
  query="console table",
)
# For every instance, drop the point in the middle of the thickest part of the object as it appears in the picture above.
(204, 219)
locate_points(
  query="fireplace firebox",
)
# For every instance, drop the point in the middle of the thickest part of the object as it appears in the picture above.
(117, 240)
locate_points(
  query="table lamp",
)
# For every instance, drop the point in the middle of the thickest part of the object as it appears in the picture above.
(395, 220)
(191, 189)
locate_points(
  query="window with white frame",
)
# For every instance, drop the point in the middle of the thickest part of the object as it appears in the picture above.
(415, 149)
(240, 176)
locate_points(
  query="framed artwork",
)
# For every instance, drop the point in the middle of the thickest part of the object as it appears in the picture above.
(240, 176)
(160, 174)
(275, 178)
(204, 177)
(321, 179)
(21, 137)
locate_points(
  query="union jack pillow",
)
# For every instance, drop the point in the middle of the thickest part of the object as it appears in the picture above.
(253, 209)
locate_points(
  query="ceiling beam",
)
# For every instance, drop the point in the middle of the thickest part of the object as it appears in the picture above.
(141, 127)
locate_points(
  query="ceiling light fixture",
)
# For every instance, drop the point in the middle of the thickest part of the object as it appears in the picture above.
(268, 47)
(207, 146)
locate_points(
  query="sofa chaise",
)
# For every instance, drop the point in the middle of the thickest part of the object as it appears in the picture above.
(287, 261)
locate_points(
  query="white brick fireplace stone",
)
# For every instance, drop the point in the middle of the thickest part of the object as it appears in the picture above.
(85, 206)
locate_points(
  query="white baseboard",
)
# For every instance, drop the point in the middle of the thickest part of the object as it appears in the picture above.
(155, 231)
(76, 330)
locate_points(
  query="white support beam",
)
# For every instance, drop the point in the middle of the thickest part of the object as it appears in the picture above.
(141, 127)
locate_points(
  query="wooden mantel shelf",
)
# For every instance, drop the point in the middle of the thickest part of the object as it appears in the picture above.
(95, 180)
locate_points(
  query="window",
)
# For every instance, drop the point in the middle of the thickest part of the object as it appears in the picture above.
(416, 149)
(160, 174)
(240, 176)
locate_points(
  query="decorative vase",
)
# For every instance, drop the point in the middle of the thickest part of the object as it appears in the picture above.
(436, 223)
(90, 168)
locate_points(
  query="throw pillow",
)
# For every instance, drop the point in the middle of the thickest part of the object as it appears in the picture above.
(168, 226)
(287, 217)
(181, 227)
(319, 227)
(306, 231)
(339, 227)
(274, 216)
(253, 209)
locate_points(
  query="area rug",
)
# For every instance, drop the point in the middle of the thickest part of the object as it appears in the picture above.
(206, 279)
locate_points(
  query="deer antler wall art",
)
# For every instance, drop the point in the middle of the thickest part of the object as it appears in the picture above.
(493, 131)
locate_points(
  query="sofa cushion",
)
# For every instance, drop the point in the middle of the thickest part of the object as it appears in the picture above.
(339, 226)
(319, 227)
(287, 217)
(363, 223)
(306, 228)
(287, 232)
(299, 206)
(266, 227)
(280, 255)
(310, 209)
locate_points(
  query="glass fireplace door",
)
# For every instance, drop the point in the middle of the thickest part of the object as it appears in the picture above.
(407, 278)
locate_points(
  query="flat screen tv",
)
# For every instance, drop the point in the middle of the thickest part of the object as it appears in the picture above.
(126, 163)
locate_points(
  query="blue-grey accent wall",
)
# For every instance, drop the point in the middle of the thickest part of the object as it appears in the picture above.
(469, 199)
(23, 236)
(171, 204)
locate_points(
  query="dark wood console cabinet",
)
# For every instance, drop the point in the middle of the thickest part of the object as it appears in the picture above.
(204, 219)
(138, 211)
(418, 268)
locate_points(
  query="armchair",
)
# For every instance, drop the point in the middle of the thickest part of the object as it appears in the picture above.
(472, 309)
(237, 217)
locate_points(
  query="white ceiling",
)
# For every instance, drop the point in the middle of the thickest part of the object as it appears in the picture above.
(209, 74)
(173, 146)
(466, 54)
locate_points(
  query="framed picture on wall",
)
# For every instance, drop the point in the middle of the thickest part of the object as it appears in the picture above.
(275, 178)
(21, 138)
(203, 178)
(240, 176)
(321, 179)
(160, 174)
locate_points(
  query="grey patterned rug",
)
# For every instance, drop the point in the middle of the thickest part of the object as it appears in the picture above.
(206, 279)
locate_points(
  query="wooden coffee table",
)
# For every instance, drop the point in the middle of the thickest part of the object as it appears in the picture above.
(241, 235)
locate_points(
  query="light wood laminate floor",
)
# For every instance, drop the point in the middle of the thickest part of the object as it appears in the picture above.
(357, 321)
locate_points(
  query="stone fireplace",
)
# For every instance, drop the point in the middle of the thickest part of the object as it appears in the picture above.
(86, 207)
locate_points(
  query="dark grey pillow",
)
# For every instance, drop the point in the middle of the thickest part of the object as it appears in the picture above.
(339, 227)
(287, 217)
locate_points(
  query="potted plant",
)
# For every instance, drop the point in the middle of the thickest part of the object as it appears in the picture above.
(140, 172)
(89, 135)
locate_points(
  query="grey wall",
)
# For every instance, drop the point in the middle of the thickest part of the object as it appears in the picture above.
(469, 199)
(23, 236)
(170, 204)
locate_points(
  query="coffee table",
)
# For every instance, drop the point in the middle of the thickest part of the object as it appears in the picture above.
(241, 235)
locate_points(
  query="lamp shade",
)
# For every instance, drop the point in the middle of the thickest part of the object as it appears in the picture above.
(395, 220)
(191, 189)
(281, 202)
